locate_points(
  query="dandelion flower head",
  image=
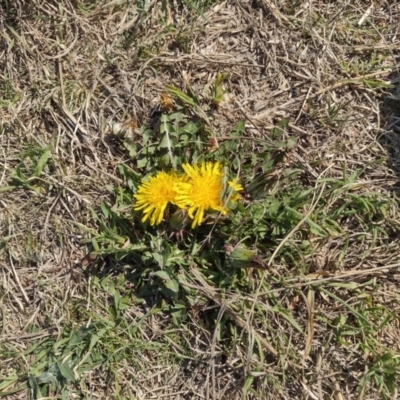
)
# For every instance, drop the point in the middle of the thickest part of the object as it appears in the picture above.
(154, 195)
(201, 191)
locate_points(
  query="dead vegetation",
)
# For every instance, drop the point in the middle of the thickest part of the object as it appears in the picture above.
(71, 70)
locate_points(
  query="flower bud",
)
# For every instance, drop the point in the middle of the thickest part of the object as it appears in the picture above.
(179, 219)
(242, 257)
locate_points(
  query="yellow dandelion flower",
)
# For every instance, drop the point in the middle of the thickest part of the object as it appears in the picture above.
(154, 195)
(201, 191)
(235, 188)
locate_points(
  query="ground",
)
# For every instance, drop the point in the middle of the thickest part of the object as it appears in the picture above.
(299, 100)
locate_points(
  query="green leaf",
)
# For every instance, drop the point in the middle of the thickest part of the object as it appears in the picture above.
(163, 275)
(286, 314)
(34, 386)
(43, 160)
(165, 142)
(125, 303)
(66, 371)
(105, 209)
(344, 285)
(247, 385)
(78, 337)
(21, 39)
(96, 337)
(6, 188)
(8, 381)
(117, 299)
(315, 228)
(15, 390)
(132, 148)
(390, 381)
(178, 313)
(190, 128)
(142, 162)
(172, 285)
(238, 129)
(47, 377)
(386, 357)
(291, 143)
(65, 395)
(219, 92)
(284, 123)
(180, 95)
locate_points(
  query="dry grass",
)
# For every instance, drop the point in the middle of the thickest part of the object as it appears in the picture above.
(71, 70)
